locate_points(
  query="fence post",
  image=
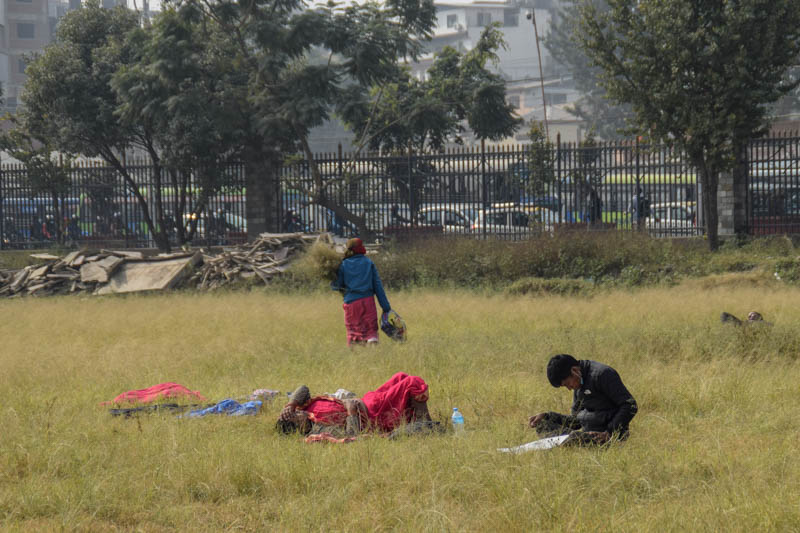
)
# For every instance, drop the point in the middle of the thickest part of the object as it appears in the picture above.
(2, 206)
(484, 189)
(411, 190)
(558, 176)
(638, 186)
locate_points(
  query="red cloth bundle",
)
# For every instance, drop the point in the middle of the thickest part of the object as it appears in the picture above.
(162, 390)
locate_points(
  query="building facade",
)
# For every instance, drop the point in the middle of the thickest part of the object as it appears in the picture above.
(26, 27)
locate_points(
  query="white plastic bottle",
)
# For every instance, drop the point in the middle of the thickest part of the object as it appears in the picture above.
(458, 421)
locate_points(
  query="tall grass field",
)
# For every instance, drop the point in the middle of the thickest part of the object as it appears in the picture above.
(715, 446)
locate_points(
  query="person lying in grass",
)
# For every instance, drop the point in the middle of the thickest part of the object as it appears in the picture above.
(602, 407)
(754, 317)
(400, 400)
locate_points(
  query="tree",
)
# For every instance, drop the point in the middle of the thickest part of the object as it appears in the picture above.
(277, 44)
(541, 162)
(459, 90)
(698, 75)
(45, 171)
(593, 107)
(69, 103)
(458, 93)
(181, 87)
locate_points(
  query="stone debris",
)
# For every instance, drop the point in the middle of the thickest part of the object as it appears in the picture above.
(265, 258)
(112, 271)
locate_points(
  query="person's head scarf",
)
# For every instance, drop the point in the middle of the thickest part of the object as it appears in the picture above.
(355, 246)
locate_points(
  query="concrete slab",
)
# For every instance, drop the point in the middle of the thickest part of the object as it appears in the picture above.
(149, 276)
(101, 270)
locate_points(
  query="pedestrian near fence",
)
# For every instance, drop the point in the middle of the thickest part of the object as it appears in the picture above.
(357, 278)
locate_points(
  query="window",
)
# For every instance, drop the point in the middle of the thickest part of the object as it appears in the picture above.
(556, 98)
(452, 20)
(514, 101)
(484, 19)
(21, 64)
(25, 30)
(24, 1)
(510, 18)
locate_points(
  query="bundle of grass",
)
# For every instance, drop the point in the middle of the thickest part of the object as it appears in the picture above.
(319, 263)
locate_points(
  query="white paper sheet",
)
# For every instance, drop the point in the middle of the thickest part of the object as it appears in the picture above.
(541, 444)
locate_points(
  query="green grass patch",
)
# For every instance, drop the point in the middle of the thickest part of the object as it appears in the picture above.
(713, 447)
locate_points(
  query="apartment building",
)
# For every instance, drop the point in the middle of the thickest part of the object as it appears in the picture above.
(27, 27)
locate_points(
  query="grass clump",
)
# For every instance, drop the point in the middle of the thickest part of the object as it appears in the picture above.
(318, 264)
(541, 286)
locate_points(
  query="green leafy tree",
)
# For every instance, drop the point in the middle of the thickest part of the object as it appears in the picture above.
(278, 43)
(46, 172)
(181, 87)
(459, 93)
(540, 161)
(70, 105)
(698, 75)
(606, 118)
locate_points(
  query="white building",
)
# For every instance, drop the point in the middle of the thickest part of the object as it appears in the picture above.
(459, 25)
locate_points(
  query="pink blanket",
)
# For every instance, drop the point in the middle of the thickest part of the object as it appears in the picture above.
(162, 390)
(388, 405)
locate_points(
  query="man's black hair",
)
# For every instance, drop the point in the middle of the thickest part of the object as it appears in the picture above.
(286, 426)
(560, 367)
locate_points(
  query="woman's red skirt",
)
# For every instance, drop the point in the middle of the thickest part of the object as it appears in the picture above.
(361, 320)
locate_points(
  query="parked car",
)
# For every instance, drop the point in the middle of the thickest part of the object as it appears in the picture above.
(672, 219)
(232, 230)
(456, 218)
(511, 222)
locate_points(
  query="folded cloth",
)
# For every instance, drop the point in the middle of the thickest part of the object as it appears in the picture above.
(342, 394)
(264, 394)
(162, 390)
(327, 437)
(228, 407)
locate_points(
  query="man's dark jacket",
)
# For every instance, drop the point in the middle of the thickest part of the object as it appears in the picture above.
(602, 403)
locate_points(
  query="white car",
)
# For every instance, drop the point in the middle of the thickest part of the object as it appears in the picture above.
(671, 219)
(452, 218)
(511, 222)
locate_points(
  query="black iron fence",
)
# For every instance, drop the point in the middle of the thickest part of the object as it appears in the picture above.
(95, 207)
(773, 185)
(508, 192)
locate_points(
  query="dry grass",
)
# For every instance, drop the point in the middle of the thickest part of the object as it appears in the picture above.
(714, 447)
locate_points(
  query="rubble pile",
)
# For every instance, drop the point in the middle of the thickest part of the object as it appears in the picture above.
(264, 258)
(111, 271)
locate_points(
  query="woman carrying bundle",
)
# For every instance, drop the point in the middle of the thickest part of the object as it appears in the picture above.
(358, 279)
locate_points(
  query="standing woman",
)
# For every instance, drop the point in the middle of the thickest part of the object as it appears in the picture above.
(358, 279)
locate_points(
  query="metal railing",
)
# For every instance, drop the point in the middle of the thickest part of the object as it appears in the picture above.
(509, 192)
(96, 207)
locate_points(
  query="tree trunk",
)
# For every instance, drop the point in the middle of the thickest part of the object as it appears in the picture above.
(263, 203)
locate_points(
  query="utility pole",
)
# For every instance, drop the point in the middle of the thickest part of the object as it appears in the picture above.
(532, 17)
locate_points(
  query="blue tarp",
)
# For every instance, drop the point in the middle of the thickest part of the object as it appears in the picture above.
(228, 407)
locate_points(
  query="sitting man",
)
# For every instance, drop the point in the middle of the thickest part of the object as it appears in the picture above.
(601, 405)
(401, 399)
